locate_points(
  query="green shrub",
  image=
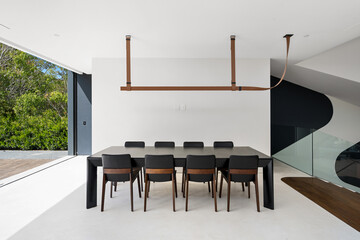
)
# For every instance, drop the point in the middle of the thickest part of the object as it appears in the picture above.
(33, 102)
(41, 132)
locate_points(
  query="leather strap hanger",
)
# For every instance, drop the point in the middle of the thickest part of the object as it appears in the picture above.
(233, 86)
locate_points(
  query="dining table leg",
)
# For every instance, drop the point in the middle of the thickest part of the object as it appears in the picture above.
(91, 185)
(268, 185)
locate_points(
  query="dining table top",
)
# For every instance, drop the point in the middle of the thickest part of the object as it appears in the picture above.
(181, 152)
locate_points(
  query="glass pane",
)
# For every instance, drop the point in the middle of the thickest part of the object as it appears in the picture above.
(298, 155)
(326, 150)
(347, 165)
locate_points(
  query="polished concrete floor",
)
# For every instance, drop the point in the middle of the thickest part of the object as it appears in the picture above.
(51, 205)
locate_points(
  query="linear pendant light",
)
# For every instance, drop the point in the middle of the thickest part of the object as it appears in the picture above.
(233, 86)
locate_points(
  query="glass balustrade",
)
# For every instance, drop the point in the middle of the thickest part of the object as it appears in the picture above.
(327, 157)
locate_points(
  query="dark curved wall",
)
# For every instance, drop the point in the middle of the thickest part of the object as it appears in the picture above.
(295, 113)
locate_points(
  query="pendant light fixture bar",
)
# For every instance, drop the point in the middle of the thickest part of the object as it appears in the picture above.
(233, 86)
(233, 65)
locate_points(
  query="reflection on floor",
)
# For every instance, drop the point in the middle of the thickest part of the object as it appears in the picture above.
(51, 205)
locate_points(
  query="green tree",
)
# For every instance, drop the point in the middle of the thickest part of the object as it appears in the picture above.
(33, 102)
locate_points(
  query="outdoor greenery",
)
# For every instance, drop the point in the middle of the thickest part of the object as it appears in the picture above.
(33, 102)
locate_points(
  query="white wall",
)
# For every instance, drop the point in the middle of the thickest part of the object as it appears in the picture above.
(118, 116)
(345, 122)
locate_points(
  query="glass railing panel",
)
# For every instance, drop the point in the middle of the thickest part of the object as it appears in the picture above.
(298, 155)
(332, 163)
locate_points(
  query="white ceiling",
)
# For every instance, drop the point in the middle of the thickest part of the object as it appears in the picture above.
(73, 32)
(342, 61)
(328, 84)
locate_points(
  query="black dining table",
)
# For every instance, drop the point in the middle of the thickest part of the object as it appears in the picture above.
(138, 159)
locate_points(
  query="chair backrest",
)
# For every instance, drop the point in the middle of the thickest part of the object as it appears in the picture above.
(159, 161)
(200, 161)
(160, 144)
(196, 163)
(223, 144)
(243, 168)
(243, 162)
(116, 161)
(138, 144)
(193, 145)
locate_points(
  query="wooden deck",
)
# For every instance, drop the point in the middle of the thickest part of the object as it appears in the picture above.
(10, 167)
(339, 201)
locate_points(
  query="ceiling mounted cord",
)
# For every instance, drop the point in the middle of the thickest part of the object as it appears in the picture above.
(233, 86)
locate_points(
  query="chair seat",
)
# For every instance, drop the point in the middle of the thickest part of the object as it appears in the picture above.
(237, 177)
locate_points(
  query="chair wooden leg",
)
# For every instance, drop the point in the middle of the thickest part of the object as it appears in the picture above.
(183, 183)
(187, 191)
(145, 197)
(243, 187)
(131, 193)
(248, 189)
(228, 194)
(212, 189)
(175, 185)
(148, 188)
(173, 190)
(111, 188)
(103, 193)
(214, 193)
(209, 186)
(141, 178)
(115, 186)
(257, 193)
(138, 181)
(217, 175)
(221, 184)
(183, 180)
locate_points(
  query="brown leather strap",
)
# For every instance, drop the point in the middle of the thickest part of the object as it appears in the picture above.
(181, 88)
(233, 66)
(128, 66)
(250, 88)
(233, 86)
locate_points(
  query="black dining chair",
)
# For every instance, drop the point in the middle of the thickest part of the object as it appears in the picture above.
(241, 169)
(162, 144)
(193, 145)
(136, 144)
(165, 144)
(223, 144)
(200, 168)
(118, 168)
(159, 168)
(190, 145)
